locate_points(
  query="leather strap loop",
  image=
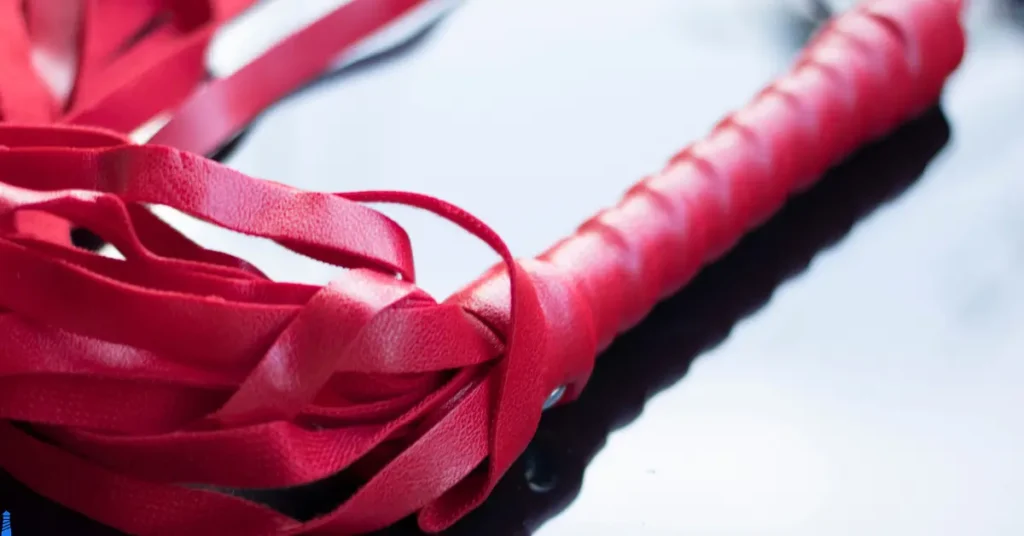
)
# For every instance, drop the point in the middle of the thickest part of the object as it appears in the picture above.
(223, 403)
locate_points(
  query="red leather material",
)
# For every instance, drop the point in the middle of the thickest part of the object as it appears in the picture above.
(222, 108)
(136, 390)
(136, 60)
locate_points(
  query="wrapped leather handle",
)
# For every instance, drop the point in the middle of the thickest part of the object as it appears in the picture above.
(866, 72)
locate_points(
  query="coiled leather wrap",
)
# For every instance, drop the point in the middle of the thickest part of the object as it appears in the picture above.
(148, 393)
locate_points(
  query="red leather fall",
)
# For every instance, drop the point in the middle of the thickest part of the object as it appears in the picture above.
(136, 60)
(135, 391)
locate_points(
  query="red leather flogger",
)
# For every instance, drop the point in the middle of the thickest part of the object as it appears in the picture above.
(138, 391)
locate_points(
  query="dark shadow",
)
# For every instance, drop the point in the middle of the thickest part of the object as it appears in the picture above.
(658, 353)
(86, 239)
(1014, 9)
(653, 356)
(799, 26)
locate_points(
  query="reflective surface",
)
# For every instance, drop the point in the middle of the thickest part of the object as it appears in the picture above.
(859, 357)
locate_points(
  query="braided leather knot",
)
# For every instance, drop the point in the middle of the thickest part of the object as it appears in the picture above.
(180, 365)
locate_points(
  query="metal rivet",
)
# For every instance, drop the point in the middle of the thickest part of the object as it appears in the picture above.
(555, 396)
